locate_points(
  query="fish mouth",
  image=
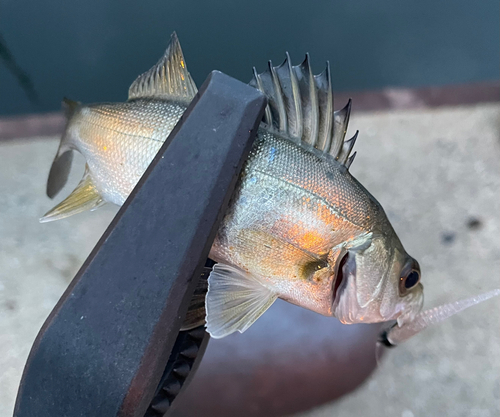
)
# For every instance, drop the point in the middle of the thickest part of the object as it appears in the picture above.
(347, 266)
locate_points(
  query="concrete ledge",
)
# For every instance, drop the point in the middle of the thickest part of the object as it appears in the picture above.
(437, 174)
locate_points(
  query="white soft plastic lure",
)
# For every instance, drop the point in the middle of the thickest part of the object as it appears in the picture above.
(400, 333)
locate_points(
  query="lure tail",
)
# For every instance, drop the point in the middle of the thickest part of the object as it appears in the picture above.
(399, 333)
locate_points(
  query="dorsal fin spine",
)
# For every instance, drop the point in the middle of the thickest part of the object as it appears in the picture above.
(330, 114)
(299, 124)
(347, 148)
(340, 121)
(325, 108)
(279, 98)
(257, 80)
(313, 99)
(350, 160)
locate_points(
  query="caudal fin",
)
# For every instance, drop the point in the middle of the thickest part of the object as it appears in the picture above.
(84, 197)
(59, 171)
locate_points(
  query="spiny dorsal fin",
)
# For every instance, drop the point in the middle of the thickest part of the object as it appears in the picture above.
(300, 107)
(168, 79)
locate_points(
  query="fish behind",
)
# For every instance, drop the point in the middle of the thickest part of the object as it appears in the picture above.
(299, 226)
(119, 140)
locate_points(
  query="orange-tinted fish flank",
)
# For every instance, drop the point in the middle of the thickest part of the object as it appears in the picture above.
(129, 133)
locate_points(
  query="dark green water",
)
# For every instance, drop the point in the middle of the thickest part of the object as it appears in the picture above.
(92, 50)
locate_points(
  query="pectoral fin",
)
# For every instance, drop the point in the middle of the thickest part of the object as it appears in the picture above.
(235, 299)
(84, 197)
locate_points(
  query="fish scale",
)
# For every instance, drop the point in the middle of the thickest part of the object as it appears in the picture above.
(324, 177)
(121, 139)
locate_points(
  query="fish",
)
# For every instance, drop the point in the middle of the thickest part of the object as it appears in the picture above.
(299, 226)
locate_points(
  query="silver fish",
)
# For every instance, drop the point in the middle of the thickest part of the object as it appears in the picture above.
(299, 227)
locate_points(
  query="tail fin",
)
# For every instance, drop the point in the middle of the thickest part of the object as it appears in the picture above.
(300, 106)
(84, 197)
(59, 172)
(61, 166)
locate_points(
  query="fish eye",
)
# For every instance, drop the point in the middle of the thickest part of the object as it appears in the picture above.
(412, 279)
(409, 281)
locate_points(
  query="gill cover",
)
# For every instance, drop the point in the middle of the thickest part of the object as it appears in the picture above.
(371, 272)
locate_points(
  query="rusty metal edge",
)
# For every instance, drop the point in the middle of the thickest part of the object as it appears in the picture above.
(51, 124)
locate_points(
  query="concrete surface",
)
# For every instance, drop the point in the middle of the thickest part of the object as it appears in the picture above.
(436, 172)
